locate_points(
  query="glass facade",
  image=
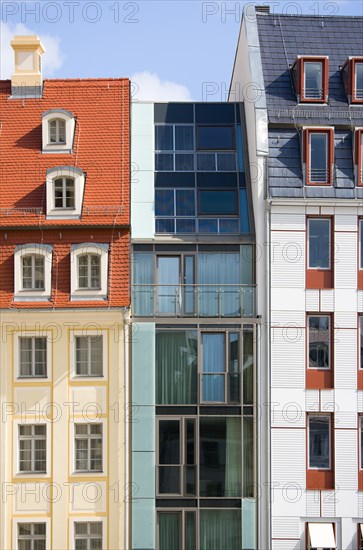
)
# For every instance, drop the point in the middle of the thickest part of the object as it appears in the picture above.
(193, 354)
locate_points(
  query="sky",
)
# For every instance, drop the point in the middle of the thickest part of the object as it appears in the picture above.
(171, 50)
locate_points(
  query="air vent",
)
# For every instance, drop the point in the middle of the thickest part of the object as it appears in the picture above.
(262, 9)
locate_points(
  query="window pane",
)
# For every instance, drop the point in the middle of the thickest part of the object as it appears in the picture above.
(361, 442)
(165, 226)
(184, 138)
(313, 79)
(361, 238)
(62, 131)
(319, 442)
(208, 226)
(169, 530)
(164, 162)
(164, 138)
(319, 342)
(185, 226)
(164, 202)
(226, 162)
(216, 137)
(206, 162)
(96, 344)
(218, 203)
(69, 202)
(26, 345)
(359, 80)
(176, 367)
(81, 355)
(318, 157)
(184, 162)
(228, 226)
(185, 202)
(213, 351)
(233, 368)
(319, 243)
(220, 530)
(169, 442)
(361, 341)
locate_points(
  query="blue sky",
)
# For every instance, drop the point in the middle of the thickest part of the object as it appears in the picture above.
(173, 49)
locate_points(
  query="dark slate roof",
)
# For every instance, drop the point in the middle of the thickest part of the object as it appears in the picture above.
(337, 37)
(285, 173)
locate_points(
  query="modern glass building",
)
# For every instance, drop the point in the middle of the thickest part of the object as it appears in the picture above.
(194, 330)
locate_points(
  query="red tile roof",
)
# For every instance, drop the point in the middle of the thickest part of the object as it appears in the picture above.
(101, 150)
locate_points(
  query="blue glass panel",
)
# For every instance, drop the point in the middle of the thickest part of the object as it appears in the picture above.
(185, 202)
(164, 202)
(163, 138)
(164, 226)
(143, 296)
(241, 165)
(245, 221)
(206, 162)
(226, 162)
(185, 225)
(184, 162)
(228, 226)
(216, 137)
(164, 162)
(184, 138)
(213, 353)
(218, 203)
(208, 226)
(319, 243)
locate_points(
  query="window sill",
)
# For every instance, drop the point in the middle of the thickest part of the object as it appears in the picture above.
(31, 298)
(88, 298)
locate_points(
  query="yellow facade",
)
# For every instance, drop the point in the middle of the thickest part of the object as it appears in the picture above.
(60, 496)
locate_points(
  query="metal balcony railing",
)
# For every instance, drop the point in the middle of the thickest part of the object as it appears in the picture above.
(313, 93)
(193, 300)
(319, 175)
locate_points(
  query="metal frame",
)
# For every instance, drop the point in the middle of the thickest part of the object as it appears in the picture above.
(329, 316)
(314, 416)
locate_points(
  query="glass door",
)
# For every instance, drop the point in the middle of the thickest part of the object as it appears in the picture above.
(168, 281)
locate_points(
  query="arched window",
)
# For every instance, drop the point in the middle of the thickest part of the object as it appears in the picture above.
(32, 274)
(57, 131)
(89, 271)
(64, 195)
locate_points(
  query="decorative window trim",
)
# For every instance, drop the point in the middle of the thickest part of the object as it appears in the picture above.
(307, 131)
(87, 519)
(26, 294)
(32, 334)
(35, 519)
(86, 419)
(87, 332)
(101, 249)
(358, 156)
(32, 421)
(69, 119)
(348, 74)
(298, 73)
(79, 182)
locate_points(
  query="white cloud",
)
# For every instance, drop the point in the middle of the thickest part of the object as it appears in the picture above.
(52, 59)
(148, 86)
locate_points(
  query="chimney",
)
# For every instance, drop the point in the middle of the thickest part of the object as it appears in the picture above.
(26, 80)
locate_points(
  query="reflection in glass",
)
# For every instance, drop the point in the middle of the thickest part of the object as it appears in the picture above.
(313, 79)
(168, 284)
(164, 138)
(319, 342)
(319, 243)
(319, 442)
(215, 137)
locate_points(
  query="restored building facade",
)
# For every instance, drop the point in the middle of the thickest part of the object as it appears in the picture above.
(64, 302)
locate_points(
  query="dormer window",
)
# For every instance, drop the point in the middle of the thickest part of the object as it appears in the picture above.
(64, 193)
(89, 271)
(58, 131)
(358, 156)
(352, 73)
(65, 190)
(310, 75)
(32, 272)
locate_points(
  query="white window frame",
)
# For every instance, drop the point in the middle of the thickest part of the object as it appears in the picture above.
(31, 335)
(100, 249)
(314, 416)
(31, 420)
(35, 519)
(26, 294)
(87, 519)
(58, 114)
(87, 332)
(72, 458)
(79, 183)
(64, 193)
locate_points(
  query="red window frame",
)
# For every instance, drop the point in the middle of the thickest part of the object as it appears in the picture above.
(316, 378)
(360, 469)
(319, 479)
(330, 155)
(358, 156)
(348, 71)
(299, 78)
(319, 278)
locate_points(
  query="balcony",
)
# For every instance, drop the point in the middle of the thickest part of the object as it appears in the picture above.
(193, 300)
